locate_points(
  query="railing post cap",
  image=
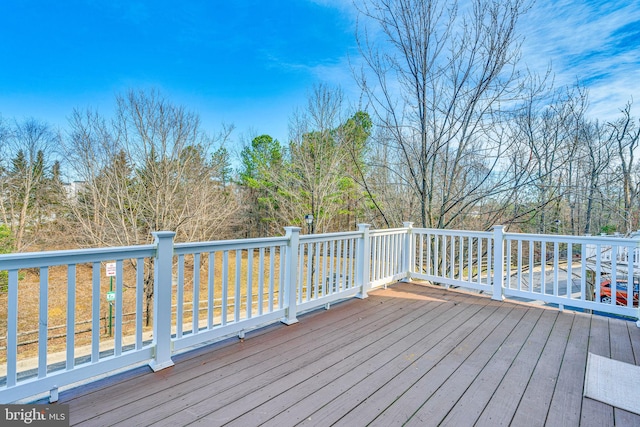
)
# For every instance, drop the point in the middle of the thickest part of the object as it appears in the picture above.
(363, 226)
(408, 224)
(498, 227)
(163, 234)
(289, 230)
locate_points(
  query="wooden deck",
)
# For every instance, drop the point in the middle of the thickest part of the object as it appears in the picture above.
(413, 354)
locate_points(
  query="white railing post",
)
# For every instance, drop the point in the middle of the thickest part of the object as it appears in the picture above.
(498, 262)
(291, 274)
(363, 260)
(162, 284)
(633, 261)
(408, 253)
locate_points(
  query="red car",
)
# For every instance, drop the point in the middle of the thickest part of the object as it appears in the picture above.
(621, 292)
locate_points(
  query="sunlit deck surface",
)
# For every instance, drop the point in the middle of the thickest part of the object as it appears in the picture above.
(412, 353)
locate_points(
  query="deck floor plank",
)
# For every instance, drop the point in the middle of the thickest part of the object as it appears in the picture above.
(265, 343)
(468, 408)
(397, 400)
(336, 398)
(349, 370)
(184, 376)
(622, 349)
(207, 393)
(351, 347)
(405, 370)
(505, 400)
(567, 396)
(411, 352)
(436, 406)
(535, 402)
(595, 413)
(634, 336)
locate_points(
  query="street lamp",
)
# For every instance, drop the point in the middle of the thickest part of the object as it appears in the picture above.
(308, 218)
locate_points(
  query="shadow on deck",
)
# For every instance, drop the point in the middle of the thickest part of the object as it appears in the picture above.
(412, 353)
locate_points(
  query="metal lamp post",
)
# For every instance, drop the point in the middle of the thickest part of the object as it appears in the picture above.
(308, 218)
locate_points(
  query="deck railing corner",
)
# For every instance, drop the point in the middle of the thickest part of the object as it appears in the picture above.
(162, 285)
(498, 263)
(290, 283)
(363, 260)
(408, 252)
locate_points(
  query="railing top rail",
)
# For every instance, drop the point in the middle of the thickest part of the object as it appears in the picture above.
(445, 232)
(326, 237)
(74, 256)
(225, 245)
(592, 240)
(388, 231)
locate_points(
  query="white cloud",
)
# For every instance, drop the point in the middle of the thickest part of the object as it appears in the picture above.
(592, 41)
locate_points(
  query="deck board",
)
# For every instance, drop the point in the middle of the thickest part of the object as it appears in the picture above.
(537, 395)
(306, 362)
(354, 385)
(506, 398)
(210, 391)
(567, 396)
(349, 347)
(264, 347)
(621, 349)
(634, 337)
(411, 398)
(595, 413)
(468, 408)
(435, 409)
(398, 375)
(413, 353)
(350, 370)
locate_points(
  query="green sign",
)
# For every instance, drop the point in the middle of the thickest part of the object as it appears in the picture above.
(111, 296)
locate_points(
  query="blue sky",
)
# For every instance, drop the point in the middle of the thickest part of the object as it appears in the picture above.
(595, 41)
(251, 63)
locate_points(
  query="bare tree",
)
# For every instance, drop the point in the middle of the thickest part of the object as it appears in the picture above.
(552, 132)
(316, 159)
(25, 183)
(626, 134)
(596, 154)
(440, 83)
(151, 169)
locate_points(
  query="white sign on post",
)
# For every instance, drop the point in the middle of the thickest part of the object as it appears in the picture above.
(111, 269)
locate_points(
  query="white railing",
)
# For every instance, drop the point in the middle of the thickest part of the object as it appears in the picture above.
(454, 258)
(229, 285)
(82, 357)
(199, 292)
(579, 272)
(387, 255)
(207, 290)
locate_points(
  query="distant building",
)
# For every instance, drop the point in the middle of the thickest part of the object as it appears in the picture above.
(72, 189)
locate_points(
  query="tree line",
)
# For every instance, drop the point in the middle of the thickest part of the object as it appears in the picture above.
(451, 131)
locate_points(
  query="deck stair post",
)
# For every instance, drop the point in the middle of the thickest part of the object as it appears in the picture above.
(498, 262)
(363, 260)
(291, 274)
(408, 252)
(162, 286)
